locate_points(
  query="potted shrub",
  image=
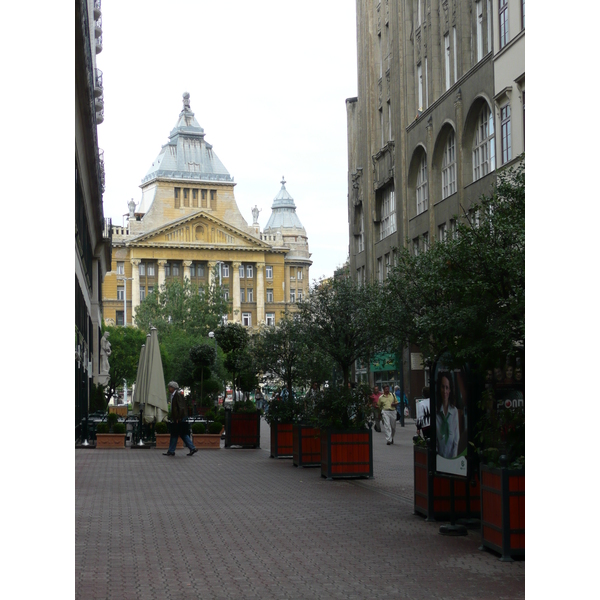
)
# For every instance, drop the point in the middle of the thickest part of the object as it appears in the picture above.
(242, 425)
(342, 416)
(163, 437)
(281, 417)
(107, 439)
(204, 440)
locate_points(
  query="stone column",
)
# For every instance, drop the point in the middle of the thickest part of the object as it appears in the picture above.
(260, 293)
(186, 270)
(135, 286)
(286, 284)
(211, 272)
(161, 273)
(237, 307)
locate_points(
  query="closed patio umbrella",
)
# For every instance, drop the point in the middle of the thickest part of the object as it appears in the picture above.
(154, 393)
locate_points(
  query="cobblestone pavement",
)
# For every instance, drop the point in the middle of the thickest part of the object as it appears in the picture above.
(236, 524)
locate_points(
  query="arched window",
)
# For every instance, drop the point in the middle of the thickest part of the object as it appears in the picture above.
(484, 158)
(449, 167)
(422, 188)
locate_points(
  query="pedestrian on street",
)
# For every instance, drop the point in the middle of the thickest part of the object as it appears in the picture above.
(179, 427)
(376, 412)
(387, 404)
(400, 405)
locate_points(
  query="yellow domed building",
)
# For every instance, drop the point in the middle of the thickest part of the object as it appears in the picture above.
(188, 225)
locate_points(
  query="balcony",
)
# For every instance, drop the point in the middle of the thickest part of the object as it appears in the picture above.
(98, 85)
(99, 44)
(101, 165)
(97, 9)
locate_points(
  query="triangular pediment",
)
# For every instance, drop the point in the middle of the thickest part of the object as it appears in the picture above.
(199, 230)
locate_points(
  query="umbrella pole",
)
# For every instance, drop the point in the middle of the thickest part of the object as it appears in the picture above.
(141, 442)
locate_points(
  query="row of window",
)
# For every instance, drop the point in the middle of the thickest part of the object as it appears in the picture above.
(246, 294)
(198, 270)
(246, 319)
(196, 198)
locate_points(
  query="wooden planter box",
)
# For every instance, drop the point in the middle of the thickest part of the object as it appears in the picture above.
(206, 441)
(162, 441)
(467, 501)
(306, 444)
(242, 429)
(110, 440)
(503, 511)
(346, 453)
(281, 440)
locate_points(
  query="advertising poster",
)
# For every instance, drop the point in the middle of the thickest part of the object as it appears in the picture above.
(451, 419)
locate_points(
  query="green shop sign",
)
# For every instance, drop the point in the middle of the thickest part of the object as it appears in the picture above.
(383, 362)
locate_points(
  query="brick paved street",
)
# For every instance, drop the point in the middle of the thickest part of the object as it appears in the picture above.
(236, 524)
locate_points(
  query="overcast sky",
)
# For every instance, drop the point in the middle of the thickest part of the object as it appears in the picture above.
(268, 82)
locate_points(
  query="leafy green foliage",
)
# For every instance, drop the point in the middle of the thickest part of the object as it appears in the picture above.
(284, 410)
(466, 295)
(126, 344)
(161, 427)
(215, 428)
(342, 408)
(198, 428)
(183, 306)
(343, 321)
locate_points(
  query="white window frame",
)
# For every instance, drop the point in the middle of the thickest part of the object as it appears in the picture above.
(426, 99)
(488, 18)
(505, 134)
(420, 86)
(242, 271)
(299, 295)
(142, 293)
(250, 294)
(269, 295)
(226, 294)
(150, 269)
(442, 232)
(415, 245)
(422, 190)
(120, 292)
(387, 265)
(292, 294)
(447, 60)
(387, 225)
(454, 42)
(425, 242)
(249, 271)
(242, 295)
(247, 319)
(269, 272)
(503, 30)
(449, 167)
(270, 319)
(479, 17)
(225, 272)
(300, 275)
(142, 269)
(484, 153)
(121, 268)
(379, 270)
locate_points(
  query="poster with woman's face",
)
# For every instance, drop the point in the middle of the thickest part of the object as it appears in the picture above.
(451, 431)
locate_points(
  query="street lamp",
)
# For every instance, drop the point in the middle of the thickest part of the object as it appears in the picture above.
(211, 335)
(125, 280)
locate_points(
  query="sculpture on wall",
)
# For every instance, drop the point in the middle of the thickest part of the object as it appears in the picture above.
(255, 213)
(104, 354)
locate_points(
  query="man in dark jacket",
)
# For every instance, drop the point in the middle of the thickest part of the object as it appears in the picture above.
(179, 428)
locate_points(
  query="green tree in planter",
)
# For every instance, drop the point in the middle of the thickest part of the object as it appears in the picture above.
(284, 353)
(466, 295)
(202, 357)
(342, 408)
(342, 319)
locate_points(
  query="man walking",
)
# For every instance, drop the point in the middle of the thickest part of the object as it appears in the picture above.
(179, 428)
(387, 404)
(376, 412)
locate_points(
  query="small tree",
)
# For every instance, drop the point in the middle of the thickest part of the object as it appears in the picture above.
(202, 357)
(343, 320)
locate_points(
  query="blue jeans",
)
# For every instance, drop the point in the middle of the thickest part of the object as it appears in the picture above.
(177, 432)
(401, 414)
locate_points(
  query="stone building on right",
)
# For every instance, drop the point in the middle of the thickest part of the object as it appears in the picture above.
(440, 109)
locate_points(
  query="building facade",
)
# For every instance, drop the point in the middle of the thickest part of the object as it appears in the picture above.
(426, 131)
(92, 230)
(188, 226)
